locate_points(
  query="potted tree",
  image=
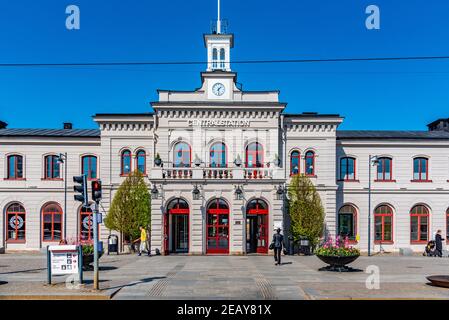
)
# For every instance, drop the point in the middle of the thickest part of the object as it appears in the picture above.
(337, 255)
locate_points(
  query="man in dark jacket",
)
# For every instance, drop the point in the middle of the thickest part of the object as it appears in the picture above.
(278, 242)
(438, 244)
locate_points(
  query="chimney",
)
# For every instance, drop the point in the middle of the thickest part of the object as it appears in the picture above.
(68, 126)
(439, 125)
(3, 125)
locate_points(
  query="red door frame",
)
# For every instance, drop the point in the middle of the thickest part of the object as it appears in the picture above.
(174, 211)
(264, 212)
(216, 211)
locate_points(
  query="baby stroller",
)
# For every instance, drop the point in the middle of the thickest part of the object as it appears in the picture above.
(430, 250)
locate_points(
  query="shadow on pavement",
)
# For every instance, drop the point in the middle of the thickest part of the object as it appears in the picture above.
(145, 280)
(24, 271)
(3, 282)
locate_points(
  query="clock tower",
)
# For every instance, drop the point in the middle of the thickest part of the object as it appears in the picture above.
(219, 78)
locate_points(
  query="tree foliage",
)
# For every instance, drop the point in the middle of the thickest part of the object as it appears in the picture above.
(131, 207)
(305, 209)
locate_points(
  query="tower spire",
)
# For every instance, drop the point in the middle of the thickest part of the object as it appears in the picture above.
(218, 19)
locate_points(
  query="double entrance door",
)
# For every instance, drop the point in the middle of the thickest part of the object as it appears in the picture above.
(176, 225)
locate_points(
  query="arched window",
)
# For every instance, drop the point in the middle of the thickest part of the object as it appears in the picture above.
(86, 229)
(421, 169)
(347, 222)
(222, 58)
(16, 222)
(51, 222)
(419, 224)
(295, 158)
(125, 163)
(347, 168)
(214, 58)
(218, 155)
(52, 167)
(141, 160)
(182, 155)
(383, 223)
(384, 169)
(310, 163)
(15, 167)
(89, 166)
(254, 155)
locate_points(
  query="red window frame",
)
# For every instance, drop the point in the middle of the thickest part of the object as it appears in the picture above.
(222, 152)
(378, 213)
(261, 211)
(214, 209)
(447, 225)
(354, 213)
(141, 154)
(89, 173)
(295, 155)
(425, 213)
(15, 213)
(384, 172)
(83, 212)
(309, 155)
(50, 175)
(16, 167)
(344, 176)
(257, 154)
(420, 170)
(183, 152)
(125, 155)
(52, 214)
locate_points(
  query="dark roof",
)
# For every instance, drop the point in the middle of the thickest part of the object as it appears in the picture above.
(372, 134)
(437, 122)
(74, 133)
(144, 114)
(311, 115)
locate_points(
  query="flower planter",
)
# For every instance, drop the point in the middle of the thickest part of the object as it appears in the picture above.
(337, 263)
(88, 259)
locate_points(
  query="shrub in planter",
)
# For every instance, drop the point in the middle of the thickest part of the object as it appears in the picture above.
(337, 255)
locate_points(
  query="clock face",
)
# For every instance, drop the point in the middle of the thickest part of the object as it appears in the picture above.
(218, 89)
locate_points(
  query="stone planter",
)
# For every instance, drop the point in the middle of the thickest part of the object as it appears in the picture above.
(337, 263)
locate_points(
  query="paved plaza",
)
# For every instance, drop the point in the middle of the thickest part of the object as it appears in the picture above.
(23, 276)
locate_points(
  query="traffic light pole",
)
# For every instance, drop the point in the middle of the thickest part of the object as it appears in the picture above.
(95, 224)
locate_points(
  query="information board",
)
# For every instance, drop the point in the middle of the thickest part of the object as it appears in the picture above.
(64, 260)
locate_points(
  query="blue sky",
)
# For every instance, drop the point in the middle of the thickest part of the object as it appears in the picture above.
(403, 95)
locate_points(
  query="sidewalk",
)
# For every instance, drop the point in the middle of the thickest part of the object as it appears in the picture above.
(225, 278)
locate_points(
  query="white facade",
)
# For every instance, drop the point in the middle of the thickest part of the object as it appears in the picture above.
(220, 125)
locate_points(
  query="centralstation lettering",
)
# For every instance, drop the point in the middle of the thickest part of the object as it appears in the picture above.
(218, 123)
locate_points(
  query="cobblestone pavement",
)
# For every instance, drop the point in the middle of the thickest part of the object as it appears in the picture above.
(226, 277)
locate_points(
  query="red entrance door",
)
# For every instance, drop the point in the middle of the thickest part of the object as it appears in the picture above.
(259, 210)
(176, 227)
(217, 227)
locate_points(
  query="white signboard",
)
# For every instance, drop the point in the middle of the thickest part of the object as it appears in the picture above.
(64, 260)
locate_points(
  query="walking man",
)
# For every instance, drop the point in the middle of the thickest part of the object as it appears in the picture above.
(278, 241)
(143, 241)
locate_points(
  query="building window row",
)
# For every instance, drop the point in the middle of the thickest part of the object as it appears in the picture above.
(126, 162)
(383, 223)
(52, 167)
(51, 223)
(384, 169)
(309, 163)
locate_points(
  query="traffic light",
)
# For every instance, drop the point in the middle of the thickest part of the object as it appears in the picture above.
(96, 190)
(81, 189)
